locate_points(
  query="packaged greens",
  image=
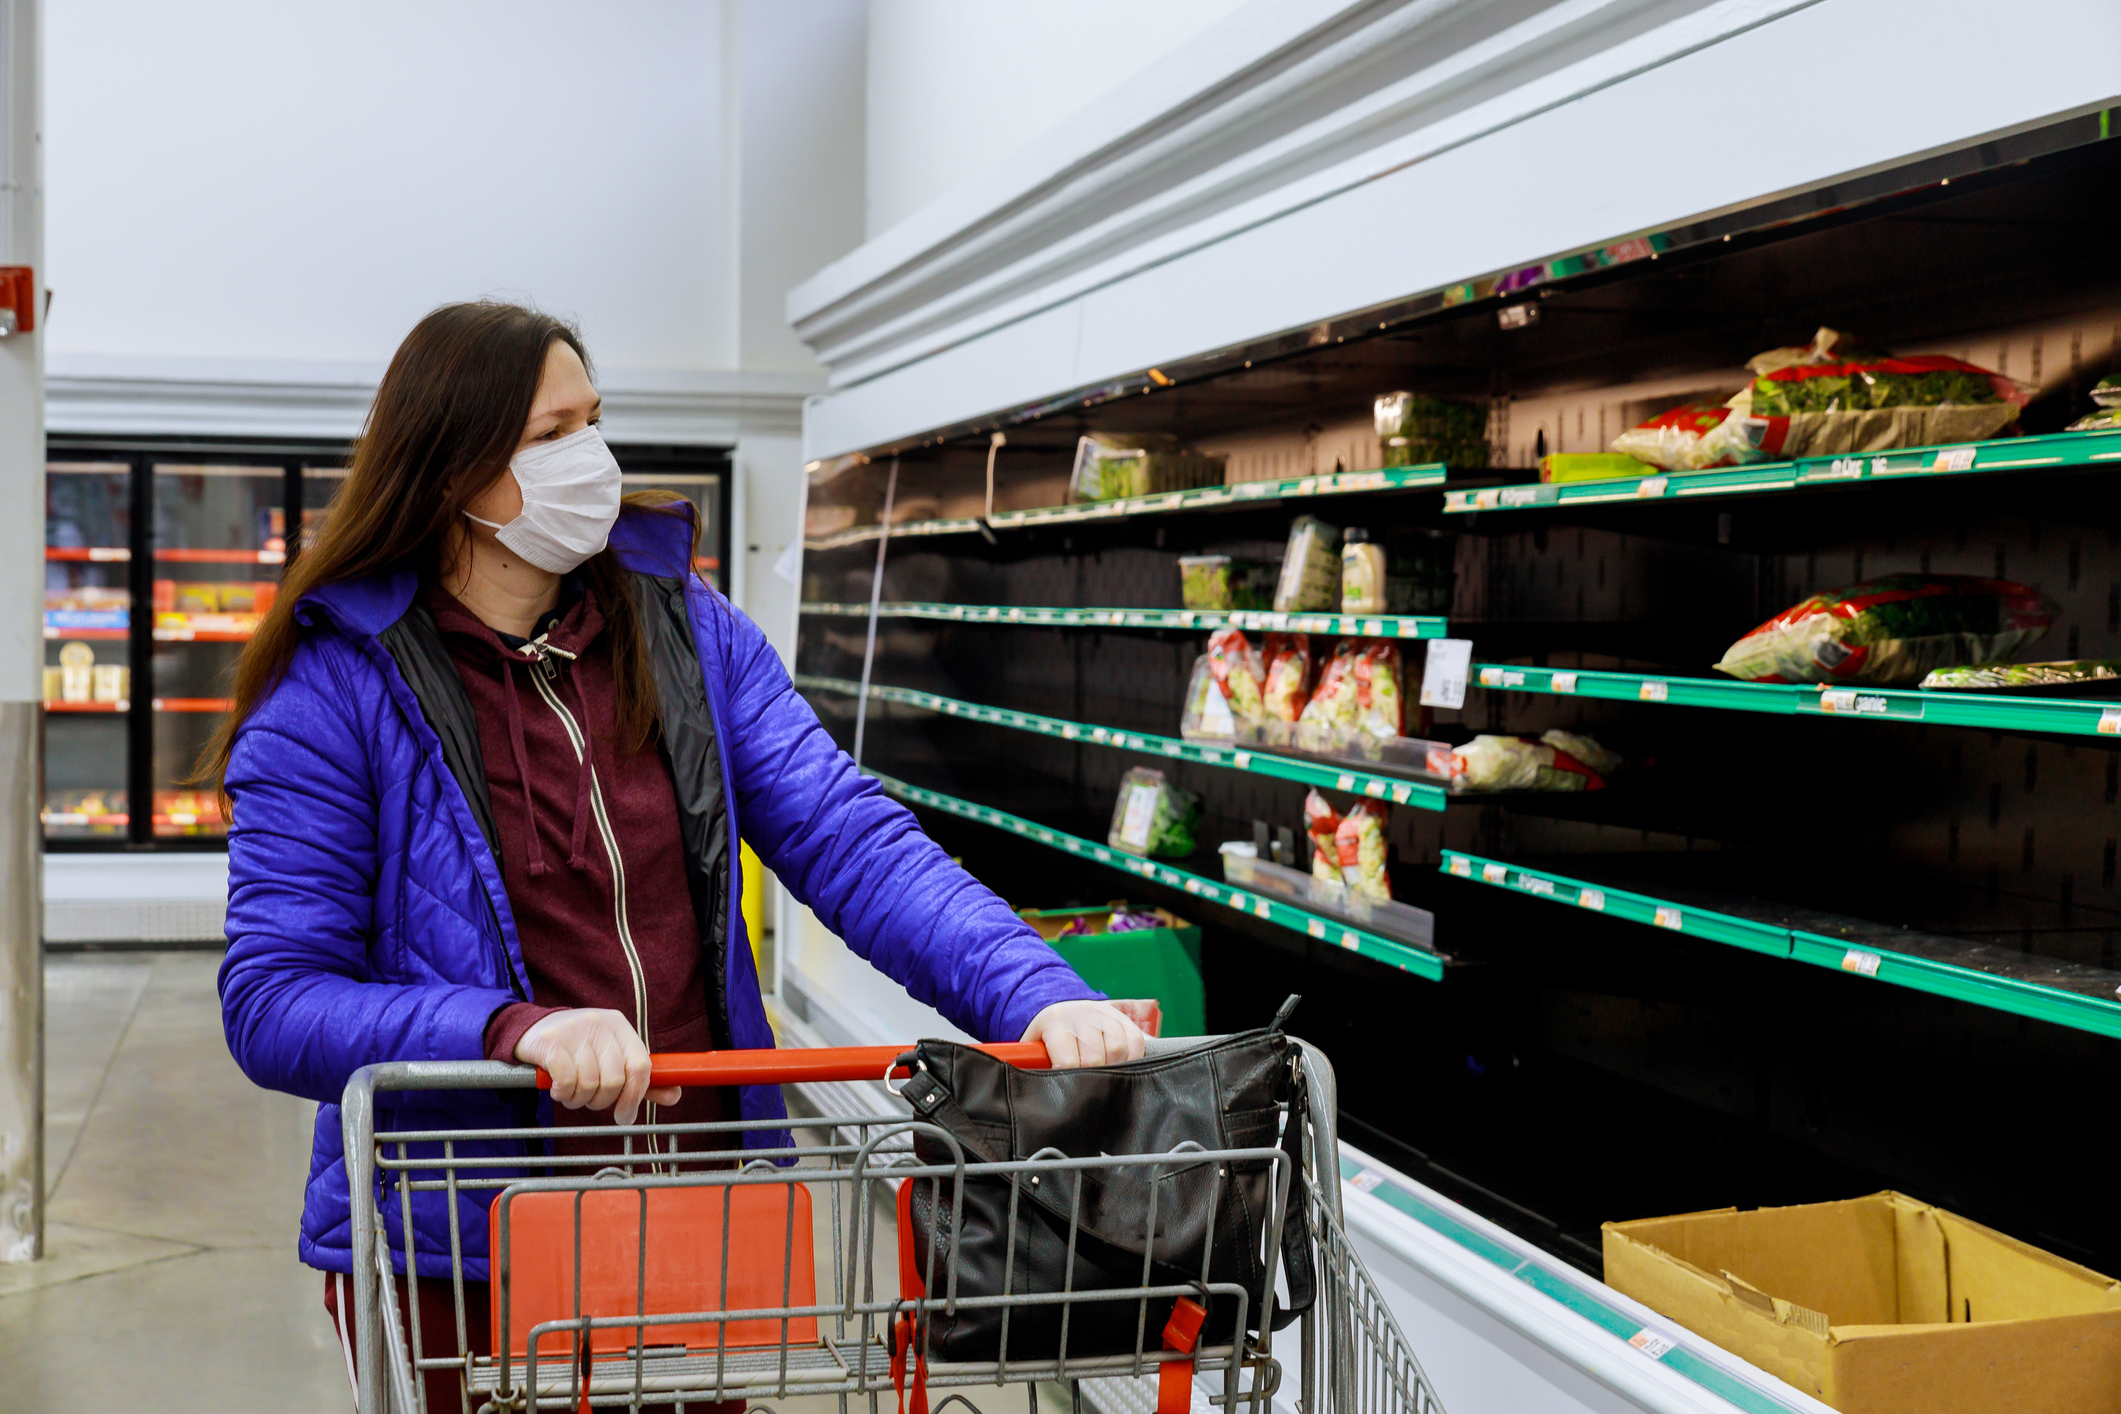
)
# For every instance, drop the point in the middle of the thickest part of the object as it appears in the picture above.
(1360, 698)
(2091, 676)
(1833, 398)
(2107, 391)
(1360, 845)
(1288, 675)
(1207, 715)
(1238, 672)
(1417, 431)
(1153, 816)
(1362, 573)
(1672, 438)
(1310, 572)
(1110, 465)
(1891, 632)
(1380, 702)
(2099, 419)
(1557, 761)
(1322, 824)
(1224, 582)
(1332, 712)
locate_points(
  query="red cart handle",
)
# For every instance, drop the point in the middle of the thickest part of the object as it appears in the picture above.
(792, 1066)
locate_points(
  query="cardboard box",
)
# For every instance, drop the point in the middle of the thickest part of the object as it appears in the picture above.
(1883, 1305)
(1163, 963)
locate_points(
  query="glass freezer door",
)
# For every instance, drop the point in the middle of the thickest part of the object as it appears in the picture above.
(220, 539)
(88, 528)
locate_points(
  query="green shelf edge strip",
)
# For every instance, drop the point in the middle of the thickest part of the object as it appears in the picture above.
(1260, 763)
(1286, 915)
(2071, 1009)
(1203, 620)
(2063, 449)
(1949, 709)
(1575, 1299)
(1339, 483)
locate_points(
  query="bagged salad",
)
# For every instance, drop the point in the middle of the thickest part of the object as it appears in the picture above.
(1891, 632)
(2092, 677)
(1153, 816)
(1288, 675)
(1557, 761)
(1833, 397)
(2107, 415)
(1322, 825)
(1673, 438)
(1310, 571)
(1111, 465)
(1239, 673)
(1359, 695)
(1207, 715)
(1359, 843)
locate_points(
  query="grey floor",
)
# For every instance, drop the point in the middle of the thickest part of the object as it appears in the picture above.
(170, 1280)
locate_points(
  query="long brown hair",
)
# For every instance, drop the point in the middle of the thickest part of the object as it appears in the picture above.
(445, 422)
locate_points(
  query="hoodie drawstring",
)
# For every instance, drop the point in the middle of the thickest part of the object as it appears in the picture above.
(583, 778)
(538, 867)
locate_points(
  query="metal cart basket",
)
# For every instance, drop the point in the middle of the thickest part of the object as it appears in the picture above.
(627, 1279)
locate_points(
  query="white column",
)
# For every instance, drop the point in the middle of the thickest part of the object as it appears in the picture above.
(21, 651)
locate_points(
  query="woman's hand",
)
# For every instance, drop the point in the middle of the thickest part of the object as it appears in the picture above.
(596, 1060)
(1094, 1033)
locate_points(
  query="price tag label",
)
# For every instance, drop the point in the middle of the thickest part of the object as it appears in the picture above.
(1533, 885)
(2110, 721)
(1670, 918)
(1651, 486)
(1650, 1343)
(1445, 672)
(1263, 909)
(1244, 760)
(1367, 1181)
(1654, 691)
(1863, 964)
(1351, 942)
(1461, 866)
(1954, 459)
(1564, 682)
(1316, 928)
(1494, 873)
(1593, 899)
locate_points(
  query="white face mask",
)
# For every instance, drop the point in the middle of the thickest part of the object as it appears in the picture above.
(570, 499)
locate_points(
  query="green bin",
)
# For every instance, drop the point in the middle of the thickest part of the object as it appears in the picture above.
(1163, 963)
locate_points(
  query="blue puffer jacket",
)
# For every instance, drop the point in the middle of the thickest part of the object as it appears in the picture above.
(367, 919)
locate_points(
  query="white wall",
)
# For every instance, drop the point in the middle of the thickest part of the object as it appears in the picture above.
(250, 179)
(955, 85)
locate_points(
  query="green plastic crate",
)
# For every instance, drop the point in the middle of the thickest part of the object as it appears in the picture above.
(1163, 963)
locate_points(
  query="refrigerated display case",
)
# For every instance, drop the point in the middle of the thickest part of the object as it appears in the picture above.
(201, 535)
(87, 634)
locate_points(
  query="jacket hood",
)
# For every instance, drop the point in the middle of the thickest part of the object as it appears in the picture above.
(653, 541)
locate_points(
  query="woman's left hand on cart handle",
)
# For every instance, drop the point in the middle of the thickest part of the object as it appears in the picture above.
(596, 1059)
(1094, 1033)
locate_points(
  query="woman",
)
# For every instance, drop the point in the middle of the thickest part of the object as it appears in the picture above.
(489, 758)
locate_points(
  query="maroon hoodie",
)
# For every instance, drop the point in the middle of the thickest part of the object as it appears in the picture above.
(590, 850)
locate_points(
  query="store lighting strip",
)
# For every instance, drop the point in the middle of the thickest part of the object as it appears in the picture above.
(1397, 790)
(2076, 1010)
(1286, 915)
(1254, 620)
(2062, 449)
(1988, 711)
(1243, 493)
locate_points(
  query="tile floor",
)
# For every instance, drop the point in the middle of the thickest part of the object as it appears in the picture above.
(170, 1280)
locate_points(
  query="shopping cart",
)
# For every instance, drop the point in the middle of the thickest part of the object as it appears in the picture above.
(624, 1279)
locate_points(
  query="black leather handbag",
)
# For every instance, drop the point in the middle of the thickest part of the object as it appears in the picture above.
(1225, 1094)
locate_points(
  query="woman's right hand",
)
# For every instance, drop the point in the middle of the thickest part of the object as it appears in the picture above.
(596, 1059)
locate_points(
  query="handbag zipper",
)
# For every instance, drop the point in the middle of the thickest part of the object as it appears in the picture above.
(541, 654)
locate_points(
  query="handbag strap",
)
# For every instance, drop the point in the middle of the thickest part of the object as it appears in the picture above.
(1296, 1249)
